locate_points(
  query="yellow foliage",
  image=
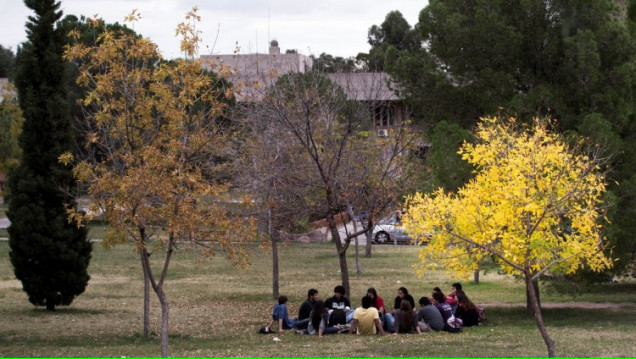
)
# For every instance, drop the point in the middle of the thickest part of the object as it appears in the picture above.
(535, 205)
(154, 133)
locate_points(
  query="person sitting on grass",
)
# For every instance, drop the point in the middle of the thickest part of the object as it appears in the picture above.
(452, 298)
(466, 310)
(366, 320)
(306, 308)
(406, 319)
(281, 314)
(439, 301)
(339, 307)
(318, 321)
(429, 315)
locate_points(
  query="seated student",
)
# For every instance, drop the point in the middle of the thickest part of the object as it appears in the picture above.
(318, 321)
(366, 319)
(466, 310)
(376, 301)
(406, 319)
(339, 307)
(451, 298)
(439, 301)
(402, 293)
(281, 314)
(306, 308)
(430, 315)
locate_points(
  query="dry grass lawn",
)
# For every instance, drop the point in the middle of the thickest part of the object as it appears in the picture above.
(216, 310)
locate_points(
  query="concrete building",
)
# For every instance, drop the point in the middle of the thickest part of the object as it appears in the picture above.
(252, 73)
(274, 63)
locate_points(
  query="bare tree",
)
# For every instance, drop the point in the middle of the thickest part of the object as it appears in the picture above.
(314, 136)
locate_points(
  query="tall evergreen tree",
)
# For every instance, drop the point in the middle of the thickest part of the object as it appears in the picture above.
(49, 254)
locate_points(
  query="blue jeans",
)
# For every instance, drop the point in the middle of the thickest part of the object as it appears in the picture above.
(389, 322)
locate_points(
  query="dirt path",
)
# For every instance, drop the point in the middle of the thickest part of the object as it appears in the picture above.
(582, 305)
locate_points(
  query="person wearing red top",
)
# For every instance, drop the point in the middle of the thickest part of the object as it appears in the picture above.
(387, 319)
(376, 301)
(452, 298)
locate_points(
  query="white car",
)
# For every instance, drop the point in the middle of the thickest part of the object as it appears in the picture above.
(388, 230)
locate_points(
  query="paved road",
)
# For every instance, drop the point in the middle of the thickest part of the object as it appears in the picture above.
(362, 239)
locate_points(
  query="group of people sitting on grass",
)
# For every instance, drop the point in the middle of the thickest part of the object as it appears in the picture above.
(335, 315)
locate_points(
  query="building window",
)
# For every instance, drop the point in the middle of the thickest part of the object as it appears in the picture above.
(384, 115)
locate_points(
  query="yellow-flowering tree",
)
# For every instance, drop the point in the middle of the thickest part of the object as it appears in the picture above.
(156, 153)
(534, 206)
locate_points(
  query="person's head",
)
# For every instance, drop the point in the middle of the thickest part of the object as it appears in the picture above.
(402, 292)
(406, 306)
(282, 299)
(366, 302)
(437, 289)
(424, 301)
(463, 300)
(312, 295)
(438, 297)
(455, 287)
(339, 291)
(318, 313)
(371, 292)
(320, 306)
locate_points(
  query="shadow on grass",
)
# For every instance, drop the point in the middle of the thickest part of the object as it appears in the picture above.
(62, 311)
(583, 318)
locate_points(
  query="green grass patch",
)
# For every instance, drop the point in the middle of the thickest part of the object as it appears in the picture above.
(216, 310)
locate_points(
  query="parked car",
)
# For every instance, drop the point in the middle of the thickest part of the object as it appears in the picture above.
(389, 230)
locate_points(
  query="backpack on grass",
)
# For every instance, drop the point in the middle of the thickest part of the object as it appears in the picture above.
(481, 314)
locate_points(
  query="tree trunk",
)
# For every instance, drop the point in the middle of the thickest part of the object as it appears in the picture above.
(355, 230)
(476, 276)
(146, 300)
(165, 315)
(50, 304)
(369, 242)
(532, 294)
(275, 270)
(274, 235)
(358, 267)
(342, 253)
(145, 263)
(369, 238)
(529, 307)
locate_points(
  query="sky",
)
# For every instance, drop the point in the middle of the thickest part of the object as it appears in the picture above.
(336, 27)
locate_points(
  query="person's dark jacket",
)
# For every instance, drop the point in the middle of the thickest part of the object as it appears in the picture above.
(305, 309)
(470, 317)
(398, 301)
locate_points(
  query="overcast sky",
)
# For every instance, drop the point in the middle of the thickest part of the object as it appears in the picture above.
(337, 27)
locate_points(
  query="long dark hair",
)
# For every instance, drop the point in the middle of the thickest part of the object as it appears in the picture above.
(405, 317)
(375, 297)
(462, 299)
(319, 313)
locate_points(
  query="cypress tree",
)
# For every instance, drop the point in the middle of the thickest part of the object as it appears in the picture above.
(50, 255)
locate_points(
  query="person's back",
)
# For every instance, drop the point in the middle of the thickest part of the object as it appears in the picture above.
(444, 308)
(466, 310)
(366, 319)
(469, 317)
(280, 314)
(406, 319)
(430, 315)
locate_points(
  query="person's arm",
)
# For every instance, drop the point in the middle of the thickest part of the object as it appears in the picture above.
(378, 324)
(354, 326)
(280, 325)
